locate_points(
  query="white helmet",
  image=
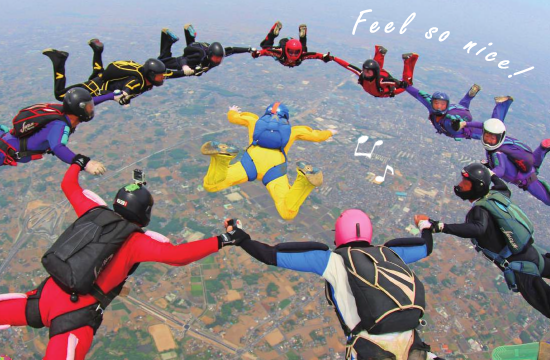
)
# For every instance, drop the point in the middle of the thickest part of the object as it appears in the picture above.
(495, 127)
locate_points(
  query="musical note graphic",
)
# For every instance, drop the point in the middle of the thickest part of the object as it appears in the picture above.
(362, 140)
(380, 179)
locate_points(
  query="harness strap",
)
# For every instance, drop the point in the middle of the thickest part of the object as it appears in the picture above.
(91, 315)
(24, 151)
(105, 298)
(9, 153)
(32, 310)
(249, 166)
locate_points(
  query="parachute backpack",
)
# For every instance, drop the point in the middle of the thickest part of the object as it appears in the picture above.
(273, 130)
(389, 297)
(33, 118)
(79, 255)
(518, 233)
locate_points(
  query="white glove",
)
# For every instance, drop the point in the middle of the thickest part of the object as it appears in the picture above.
(235, 108)
(95, 168)
(334, 132)
(424, 225)
(187, 70)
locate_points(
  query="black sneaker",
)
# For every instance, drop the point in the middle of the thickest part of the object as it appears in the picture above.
(55, 54)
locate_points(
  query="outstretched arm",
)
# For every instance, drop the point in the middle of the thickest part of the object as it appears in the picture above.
(232, 50)
(58, 137)
(102, 98)
(275, 52)
(305, 133)
(424, 98)
(475, 227)
(414, 248)
(146, 249)
(354, 69)
(240, 118)
(74, 193)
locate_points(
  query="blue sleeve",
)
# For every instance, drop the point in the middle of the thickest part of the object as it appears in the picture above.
(499, 163)
(424, 98)
(102, 98)
(310, 261)
(58, 138)
(411, 254)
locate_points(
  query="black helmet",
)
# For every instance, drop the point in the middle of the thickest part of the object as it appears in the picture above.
(134, 203)
(152, 68)
(215, 53)
(79, 102)
(371, 65)
(480, 177)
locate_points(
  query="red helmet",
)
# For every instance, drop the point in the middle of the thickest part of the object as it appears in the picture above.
(293, 49)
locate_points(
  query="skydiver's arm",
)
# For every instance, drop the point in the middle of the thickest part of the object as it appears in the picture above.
(132, 86)
(414, 248)
(231, 50)
(474, 124)
(58, 138)
(102, 98)
(305, 133)
(348, 66)
(270, 52)
(174, 74)
(499, 161)
(146, 249)
(475, 227)
(500, 185)
(300, 256)
(74, 193)
(312, 56)
(424, 98)
(243, 118)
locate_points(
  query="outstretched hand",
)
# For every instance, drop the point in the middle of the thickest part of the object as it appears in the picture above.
(234, 235)
(333, 131)
(95, 168)
(235, 108)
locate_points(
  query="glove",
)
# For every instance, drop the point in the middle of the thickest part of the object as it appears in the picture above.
(187, 70)
(436, 226)
(255, 54)
(486, 164)
(124, 99)
(81, 161)
(327, 57)
(233, 237)
(235, 108)
(95, 168)
(455, 125)
(251, 50)
(403, 85)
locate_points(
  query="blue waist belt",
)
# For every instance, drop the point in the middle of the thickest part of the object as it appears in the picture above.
(252, 173)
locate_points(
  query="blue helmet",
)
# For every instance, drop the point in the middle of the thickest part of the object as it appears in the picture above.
(438, 95)
(279, 109)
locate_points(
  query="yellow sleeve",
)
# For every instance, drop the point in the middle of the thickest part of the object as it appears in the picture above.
(305, 133)
(243, 119)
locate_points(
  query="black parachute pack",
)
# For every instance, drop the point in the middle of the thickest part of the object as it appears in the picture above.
(77, 258)
(388, 295)
(33, 118)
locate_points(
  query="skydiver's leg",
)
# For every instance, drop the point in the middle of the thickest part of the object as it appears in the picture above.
(58, 59)
(302, 31)
(167, 39)
(469, 96)
(541, 190)
(288, 199)
(72, 345)
(409, 62)
(269, 40)
(221, 174)
(190, 34)
(535, 291)
(97, 63)
(501, 108)
(379, 54)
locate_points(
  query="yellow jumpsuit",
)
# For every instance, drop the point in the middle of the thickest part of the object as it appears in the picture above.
(288, 199)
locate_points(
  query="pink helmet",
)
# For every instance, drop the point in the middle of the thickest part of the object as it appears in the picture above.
(352, 225)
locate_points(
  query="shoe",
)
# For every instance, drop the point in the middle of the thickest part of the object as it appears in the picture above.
(474, 90)
(382, 50)
(313, 174)
(409, 55)
(501, 99)
(191, 29)
(171, 35)
(55, 54)
(96, 45)
(302, 29)
(545, 144)
(216, 147)
(276, 28)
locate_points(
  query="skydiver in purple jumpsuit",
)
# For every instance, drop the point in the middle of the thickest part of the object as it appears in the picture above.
(53, 137)
(512, 160)
(446, 118)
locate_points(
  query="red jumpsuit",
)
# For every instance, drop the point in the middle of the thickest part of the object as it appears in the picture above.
(386, 85)
(137, 249)
(277, 53)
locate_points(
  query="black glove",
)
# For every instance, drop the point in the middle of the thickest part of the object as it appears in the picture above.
(81, 161)
(233, 237)
(437, 226)
(125, 100)
(403, 84)
(327, 57)
(455, 125)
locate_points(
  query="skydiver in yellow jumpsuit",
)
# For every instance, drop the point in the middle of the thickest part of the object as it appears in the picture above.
(270, 138)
